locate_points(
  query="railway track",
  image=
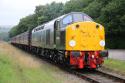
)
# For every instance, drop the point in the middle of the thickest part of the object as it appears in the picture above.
(92, 76)
(98, 76)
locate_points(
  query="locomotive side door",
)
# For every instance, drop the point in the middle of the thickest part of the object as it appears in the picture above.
(56, 33)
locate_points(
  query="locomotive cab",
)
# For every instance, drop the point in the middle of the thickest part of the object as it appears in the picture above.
(61, 24)
(81, 38)
(84, 40)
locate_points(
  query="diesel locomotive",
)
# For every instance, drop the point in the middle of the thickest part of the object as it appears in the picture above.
(73, 39)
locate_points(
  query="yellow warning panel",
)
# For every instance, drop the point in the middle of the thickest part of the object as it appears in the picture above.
(85, 36)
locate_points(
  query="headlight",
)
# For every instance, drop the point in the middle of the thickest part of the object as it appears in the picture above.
(102, 43)
(72, 43)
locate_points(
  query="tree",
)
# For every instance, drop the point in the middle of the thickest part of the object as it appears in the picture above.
(13, 32)
(75, 5)
(48, 12)
(112, 16)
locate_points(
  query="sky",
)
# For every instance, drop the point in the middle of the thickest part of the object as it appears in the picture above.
(11, 11)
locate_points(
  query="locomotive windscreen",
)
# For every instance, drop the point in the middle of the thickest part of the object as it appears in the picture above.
(75, 17)
(81, 17)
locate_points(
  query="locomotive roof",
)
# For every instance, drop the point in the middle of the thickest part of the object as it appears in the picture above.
(60, 17)
(47, 25)
(52, 21)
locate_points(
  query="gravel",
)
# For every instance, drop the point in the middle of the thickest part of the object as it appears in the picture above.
(117, 54)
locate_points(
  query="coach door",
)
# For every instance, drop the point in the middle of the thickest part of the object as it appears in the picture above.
(56, 33)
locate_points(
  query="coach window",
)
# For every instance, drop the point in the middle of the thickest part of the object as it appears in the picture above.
(67, 20)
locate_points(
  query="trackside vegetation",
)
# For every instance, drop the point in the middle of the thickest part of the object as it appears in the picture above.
(12, 72)
(110, 13)
(115, 65)
(7, 72)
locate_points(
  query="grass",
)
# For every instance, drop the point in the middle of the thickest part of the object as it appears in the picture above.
(116, 65)
(39, 76)
(11, 72)
(7, 72)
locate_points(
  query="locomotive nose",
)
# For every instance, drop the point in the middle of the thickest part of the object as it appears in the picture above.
(85, 36)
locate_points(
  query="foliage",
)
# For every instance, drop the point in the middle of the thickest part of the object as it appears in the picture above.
(7, 71)
(110, 13)
(112, 16)
(25, 24)
(13, 32)
(115, 65)
(13, 72)
(4, 36)
(76, 5)
(48, 12)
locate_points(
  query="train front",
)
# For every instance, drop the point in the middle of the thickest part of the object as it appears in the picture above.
(85, 43)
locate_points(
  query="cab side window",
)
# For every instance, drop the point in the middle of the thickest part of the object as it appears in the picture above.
(67, 20)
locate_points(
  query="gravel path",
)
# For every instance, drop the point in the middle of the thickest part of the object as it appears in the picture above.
(117, 54)
(25, 59)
